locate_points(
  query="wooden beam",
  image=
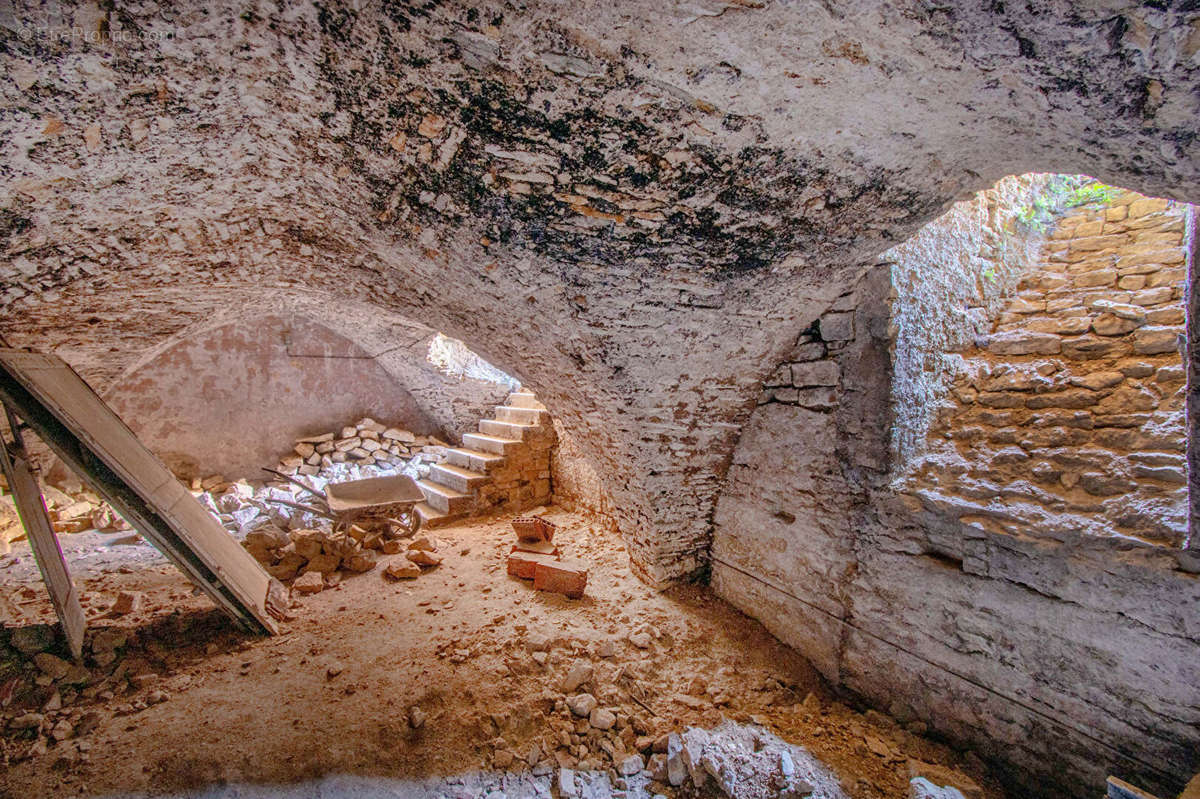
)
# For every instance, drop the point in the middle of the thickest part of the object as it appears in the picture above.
(31, 507)
(76, 424)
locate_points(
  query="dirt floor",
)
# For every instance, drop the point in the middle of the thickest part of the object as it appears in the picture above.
(457, 670)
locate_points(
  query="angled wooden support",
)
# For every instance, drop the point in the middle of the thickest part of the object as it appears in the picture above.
(85, 433)
(31, 508)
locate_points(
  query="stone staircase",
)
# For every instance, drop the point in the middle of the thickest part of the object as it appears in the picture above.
(506, 465)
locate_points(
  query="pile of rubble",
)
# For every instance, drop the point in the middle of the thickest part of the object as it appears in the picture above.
(316, 559)
(366, 442)
(50, 704)
(535, 557)
(72, 509)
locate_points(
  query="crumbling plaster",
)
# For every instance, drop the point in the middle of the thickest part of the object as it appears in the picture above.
(231, 399)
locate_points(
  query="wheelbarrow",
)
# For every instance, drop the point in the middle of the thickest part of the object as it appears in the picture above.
(389, 502)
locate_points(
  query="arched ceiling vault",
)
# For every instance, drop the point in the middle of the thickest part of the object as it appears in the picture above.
(633, 206)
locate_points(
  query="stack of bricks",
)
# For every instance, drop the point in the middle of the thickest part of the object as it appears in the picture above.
(535, 557)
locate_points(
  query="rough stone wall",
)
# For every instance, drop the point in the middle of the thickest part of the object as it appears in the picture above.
(576, 483)
(627, 206)
(231, 399)
(522, 481)
(1070, 417)
(1058, 657)
(951, 279)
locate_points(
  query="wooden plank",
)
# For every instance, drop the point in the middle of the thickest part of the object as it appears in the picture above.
(1119, 789)
(89, 437)
(31, 508)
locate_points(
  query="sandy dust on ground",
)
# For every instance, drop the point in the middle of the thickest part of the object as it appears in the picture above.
(481, 656)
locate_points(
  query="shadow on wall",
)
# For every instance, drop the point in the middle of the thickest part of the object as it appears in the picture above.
(232, 399)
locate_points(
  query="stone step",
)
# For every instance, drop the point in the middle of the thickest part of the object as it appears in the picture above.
(473, 459)
(507, 413)
(492, 427)
(525, 399)
(446, 499)
(431, 517)
(456, 477)
(494, 444)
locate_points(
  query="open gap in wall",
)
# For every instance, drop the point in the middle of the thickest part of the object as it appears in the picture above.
(1055, 402)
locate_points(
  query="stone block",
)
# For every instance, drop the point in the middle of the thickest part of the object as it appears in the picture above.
(1001, 399)
(1155, 296)
(1156, 340)
(817, 399)
(1147, 206)
(837, 326)
(1089, 347)
(815, 373)
(1073, 399)
(1107, 324)
(1098, 277)
(1018, 342)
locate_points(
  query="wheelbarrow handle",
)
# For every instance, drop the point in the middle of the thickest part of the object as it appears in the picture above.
(309, 508)
(294, 481)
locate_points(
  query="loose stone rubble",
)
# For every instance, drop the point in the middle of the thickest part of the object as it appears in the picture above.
(365, 443)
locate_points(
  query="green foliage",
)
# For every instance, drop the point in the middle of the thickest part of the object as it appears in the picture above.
(1062, 192)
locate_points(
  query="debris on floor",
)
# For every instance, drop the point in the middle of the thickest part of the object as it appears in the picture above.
(456, 671)
(536, 557)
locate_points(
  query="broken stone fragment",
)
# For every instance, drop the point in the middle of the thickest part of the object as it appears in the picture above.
(403, 570)
(322, 564)
(31, 639)
(425, 543)
(921, 788)
(127, 602)
(582, 705)
(309, 543)
(580, 673)
(422, 557)
(361, 562)
(632, 765)
(602, 718)
(566, 782)
(52, 665)
(396, 434)
(309, 583)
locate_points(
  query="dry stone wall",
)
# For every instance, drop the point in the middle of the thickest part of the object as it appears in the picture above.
(1069, 416)
(523, 479)
(1057, 655)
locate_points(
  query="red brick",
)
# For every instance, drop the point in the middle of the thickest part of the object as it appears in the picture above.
(533, 528)
(567, 577)
(522, 564)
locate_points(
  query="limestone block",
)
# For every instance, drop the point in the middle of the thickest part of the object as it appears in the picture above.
(815, 373)
(837, 326)
(1155, 340)
(1022, 343)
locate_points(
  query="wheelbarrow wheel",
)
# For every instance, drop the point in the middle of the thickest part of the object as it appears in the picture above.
(414, 522)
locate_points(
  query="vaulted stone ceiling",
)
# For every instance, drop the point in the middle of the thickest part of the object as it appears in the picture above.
(635, 207)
